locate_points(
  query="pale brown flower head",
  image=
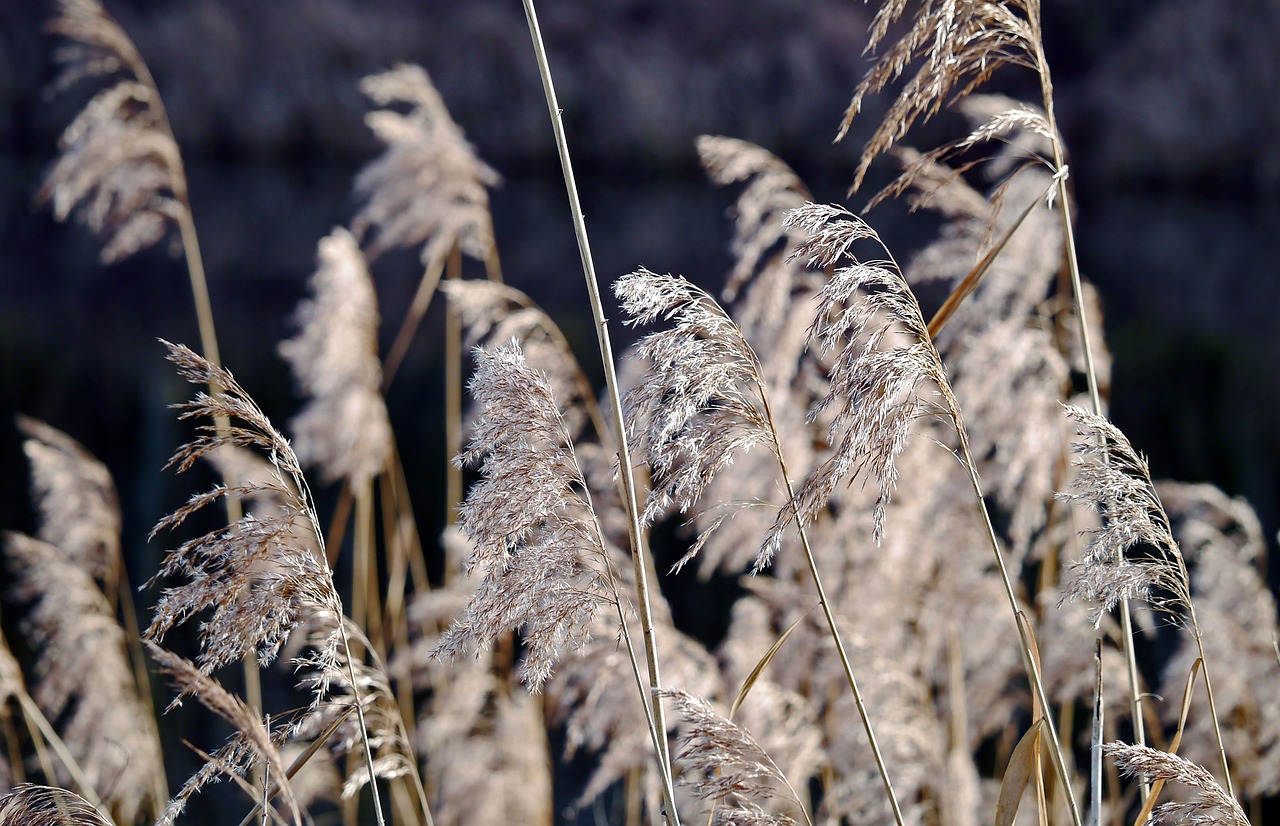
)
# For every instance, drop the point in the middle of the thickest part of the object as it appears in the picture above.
(344, 428)
(699, 405)
(82, 677)
(536, 543)
(1209, 805)
(30, 805)
(883, 365)
(953, 46)
(760, 242)
(119, 168)
(727, 765)
(428, 187)
(250, 745)
(73, 491)
(255, 575)
(1113, 480)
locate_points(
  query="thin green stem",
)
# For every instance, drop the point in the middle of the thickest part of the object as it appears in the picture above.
(626, 472)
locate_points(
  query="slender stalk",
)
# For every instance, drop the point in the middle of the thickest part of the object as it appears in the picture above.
(1086, 345)
(36, 717)
(626, 473)
(1033, 670)
(1208, 687)
(822, 600)
(453, 395)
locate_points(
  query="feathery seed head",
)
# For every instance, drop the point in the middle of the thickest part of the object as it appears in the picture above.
(535, 538)
(1113, 479)
(428, 187)
(1209, 805)
(700, 402)
(73, 491)
(884, 360)
(119, 170)
(30, 805)
(344, 427)
(256, 575)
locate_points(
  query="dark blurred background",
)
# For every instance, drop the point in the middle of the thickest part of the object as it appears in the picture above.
(1170, 108)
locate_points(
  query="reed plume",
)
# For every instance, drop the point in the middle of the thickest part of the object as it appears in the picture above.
(30, 805)
(728, 766)
(536, 544)
(1209, 803)
(258, 583)
(343, 429)
(251, 745)
(428, 187)
(82, 677)
(1225, 546)
(76, 499)
(119, 172)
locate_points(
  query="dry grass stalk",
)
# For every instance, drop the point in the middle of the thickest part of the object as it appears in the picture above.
(120, 169)
(1209, 803)
(885, 362)
(83, 679)
(1225, 544)
(258, 582)
(772, 189)
(956, 46)
(626, 472)
(30, 805)
(1114, 480)
(493, 313)
(428, 188)
(729, 767)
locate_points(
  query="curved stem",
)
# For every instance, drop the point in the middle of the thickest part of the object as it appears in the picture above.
(826, 606)
(1028, 659)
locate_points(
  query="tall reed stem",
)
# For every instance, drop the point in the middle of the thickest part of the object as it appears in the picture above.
(822, 598)
(1028, 658)
(626, 472)
(1086, 345)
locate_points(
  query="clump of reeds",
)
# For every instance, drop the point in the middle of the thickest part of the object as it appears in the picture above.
(796, 422)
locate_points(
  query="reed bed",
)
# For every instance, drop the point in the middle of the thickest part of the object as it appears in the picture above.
(959, 594)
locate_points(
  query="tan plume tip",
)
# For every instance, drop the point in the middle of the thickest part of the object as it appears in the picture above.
(534, 534)
(698, 406)
(884, 364)
(30, 805)
(119, 170)
(344, 428)
(75, 496)
(1209, 802)
(725, 763)
(83, 678)
(1113, 479)
(428, 187)
(257, 575)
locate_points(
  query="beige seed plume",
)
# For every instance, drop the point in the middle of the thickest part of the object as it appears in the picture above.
(344, 428)
(119, 170)
(428, 187)
(76, 499)
(82, 677)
